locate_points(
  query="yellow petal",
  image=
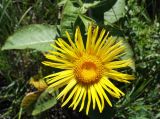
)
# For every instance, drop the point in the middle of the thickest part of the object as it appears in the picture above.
(93, 92)
(70, 85)
(105, 96)
(61, 41)
(61, 82)
(96, 86)
(71, 42)
(83, 100)
(89, 36)
(99, 39)
(60, 74)
(120, 75)
(111, 86)
(110, 41)
(102, 43)
(93, 97)
(80, 97)
(79, 40)
(57, 54)
(118, 64)
(65, 51)
(89, 100)
(76, 95)
(114, 94)
(59, 77)
(57, 65)
(70, 96)
(112, 55)
(95, 33)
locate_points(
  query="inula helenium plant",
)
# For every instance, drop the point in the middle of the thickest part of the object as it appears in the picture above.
(91, 50)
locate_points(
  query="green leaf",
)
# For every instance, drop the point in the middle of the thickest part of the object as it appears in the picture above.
(102, 5)
(157, 116)
(115, 13)
(140, 88)
(97, 8)
(86, 20)
(29, 99)
(45, 101)
(34, 36)
(69, 16)
(87, 6)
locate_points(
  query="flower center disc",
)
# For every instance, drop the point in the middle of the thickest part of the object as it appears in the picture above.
(88, 69)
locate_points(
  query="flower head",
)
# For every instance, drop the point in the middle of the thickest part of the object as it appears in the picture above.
(87, 69)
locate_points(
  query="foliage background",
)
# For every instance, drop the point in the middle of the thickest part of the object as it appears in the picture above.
(141, 26)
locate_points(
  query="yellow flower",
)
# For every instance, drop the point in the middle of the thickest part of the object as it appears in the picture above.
(87, 68)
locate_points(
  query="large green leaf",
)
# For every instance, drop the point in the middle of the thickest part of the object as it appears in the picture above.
(34, 36)
(45, 101)
(115, 13)
(69, 16)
